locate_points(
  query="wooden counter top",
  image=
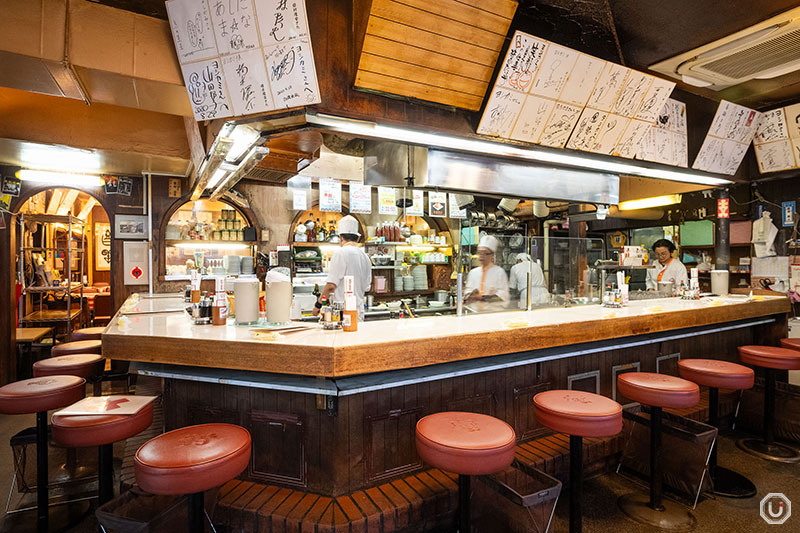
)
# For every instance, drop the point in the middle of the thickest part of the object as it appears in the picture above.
(394, 344)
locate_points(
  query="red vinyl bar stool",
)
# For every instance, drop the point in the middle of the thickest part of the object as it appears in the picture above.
(77, 431)
(69, 348)
(578, 414)
(88, 366)
(88, 334)
(191, 460)
(468, 444)
(659, 391)
(39, 395)
(720, 375)
(770, 358)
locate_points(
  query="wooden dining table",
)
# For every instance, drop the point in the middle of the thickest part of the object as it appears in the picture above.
(25, 338)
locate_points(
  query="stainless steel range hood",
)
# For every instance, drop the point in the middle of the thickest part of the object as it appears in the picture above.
(390, 163)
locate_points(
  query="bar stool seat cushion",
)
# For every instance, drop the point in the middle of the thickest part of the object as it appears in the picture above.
(192, 459)
(83, 365)
(770, 357)
(791, 343)
(578, 413)
(78, 431)
(465, 443)
(718, 374)
(36, 395)
(88, 334)
(68, 348)
(658, 390)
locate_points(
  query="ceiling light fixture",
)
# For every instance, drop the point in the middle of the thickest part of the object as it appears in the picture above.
(655, 201)
(254, 156)
(217, 154)
(60, 179)
(243, 139)
(223, 170)
(436, 140)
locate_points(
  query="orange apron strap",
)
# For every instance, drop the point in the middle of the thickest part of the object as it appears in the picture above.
(483, 281)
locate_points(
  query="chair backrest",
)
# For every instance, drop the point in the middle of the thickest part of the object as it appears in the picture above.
(102, 305)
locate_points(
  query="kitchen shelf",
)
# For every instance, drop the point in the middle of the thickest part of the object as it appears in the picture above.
(623, 267)
(401, 293)
(173, 242)
(42, 289)
(56, 249)
(51, 315)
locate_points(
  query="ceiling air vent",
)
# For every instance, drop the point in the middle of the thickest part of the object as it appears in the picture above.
(769, 49)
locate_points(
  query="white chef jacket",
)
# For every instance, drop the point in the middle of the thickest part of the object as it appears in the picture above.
(350, 260)
(518, 280)
(673, 271)
(496, 282)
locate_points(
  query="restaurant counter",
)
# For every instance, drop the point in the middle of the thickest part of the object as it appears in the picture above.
(162, 332)
(332, 413)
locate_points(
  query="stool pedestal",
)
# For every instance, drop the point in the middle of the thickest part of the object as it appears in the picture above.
(767, 448)
(725, 482)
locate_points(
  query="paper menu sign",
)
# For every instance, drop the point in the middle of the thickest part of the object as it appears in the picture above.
(243, 56)
(455, 212)
(108, 405)
(437, 204)
(299, 200)
(417, 207)
(774, 145)
(666, 141)
(548, 94)
(360, 198)
(386, 201)
(726, 143)
(330, 195)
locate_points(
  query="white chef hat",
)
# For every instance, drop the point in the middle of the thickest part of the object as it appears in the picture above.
(523, 257)
(348, 224)
(490, 242)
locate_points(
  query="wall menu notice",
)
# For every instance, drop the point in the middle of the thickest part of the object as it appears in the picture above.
(551, 95)
(241, 57)
(777, 139)
(666, 141)
(360, 198)
(731, 131)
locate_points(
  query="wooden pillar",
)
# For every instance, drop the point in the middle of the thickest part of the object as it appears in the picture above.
(8, 332)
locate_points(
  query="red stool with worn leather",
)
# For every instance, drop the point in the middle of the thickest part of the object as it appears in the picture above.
(658, 391)
(77, 431)
(88, 366)
(69, 348)
(88, 334)
(39, 395)
(578, 414)
(720, 375)
(770, 358)
(468, 444)
(191, 460)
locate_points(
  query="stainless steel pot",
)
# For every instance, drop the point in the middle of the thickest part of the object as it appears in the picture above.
(666, 288)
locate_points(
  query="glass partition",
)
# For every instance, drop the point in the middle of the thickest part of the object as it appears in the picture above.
(511, 272)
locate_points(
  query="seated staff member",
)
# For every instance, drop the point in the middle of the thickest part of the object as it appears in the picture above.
(667, 268)
(348, 260)
(518, 280)
(487, 285)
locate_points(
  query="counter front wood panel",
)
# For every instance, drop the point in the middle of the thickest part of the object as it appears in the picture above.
(378, 346)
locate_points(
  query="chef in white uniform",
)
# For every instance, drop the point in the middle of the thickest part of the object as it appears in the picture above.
(518, 280)
(667, 268)
(487, 285)
(348, 260)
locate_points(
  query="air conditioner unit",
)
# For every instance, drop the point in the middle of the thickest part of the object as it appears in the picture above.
(766, 50)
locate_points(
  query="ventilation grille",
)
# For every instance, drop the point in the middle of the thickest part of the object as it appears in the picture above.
(260, 173)
(762, 57)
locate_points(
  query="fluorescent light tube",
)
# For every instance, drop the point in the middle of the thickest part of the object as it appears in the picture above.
(62, 179)
(655, 201)
(212, 245)
(243, 138)
(435, 140)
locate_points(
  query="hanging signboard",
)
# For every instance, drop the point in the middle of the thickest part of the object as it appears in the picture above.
(437, 204)
(330, 195)
(102, 246)
(386, 201)
(417, 208)
(728, 138)
(360, 198)
(455, 212)
(244, 56)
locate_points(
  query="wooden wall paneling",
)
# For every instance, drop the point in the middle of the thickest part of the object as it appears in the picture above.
(8, 326)
(279, 440)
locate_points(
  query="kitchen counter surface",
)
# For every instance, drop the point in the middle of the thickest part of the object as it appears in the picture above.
(170, 337)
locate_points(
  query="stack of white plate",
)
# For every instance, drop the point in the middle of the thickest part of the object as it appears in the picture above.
(233, 265)
(420, 276)
(408, 283)
(248, 265)
(398, 280)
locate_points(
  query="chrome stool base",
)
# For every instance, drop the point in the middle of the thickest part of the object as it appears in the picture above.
(771, 452)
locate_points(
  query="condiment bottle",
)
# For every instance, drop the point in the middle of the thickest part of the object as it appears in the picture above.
(219, 316)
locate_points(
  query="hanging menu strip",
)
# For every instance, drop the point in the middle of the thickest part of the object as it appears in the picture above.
(777, 140)
(552, 95)
(241, 57)
(731, 131)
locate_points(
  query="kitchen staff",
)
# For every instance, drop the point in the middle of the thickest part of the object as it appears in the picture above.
(348, 260)
(487, 285)
(518, 280)
(667, 268)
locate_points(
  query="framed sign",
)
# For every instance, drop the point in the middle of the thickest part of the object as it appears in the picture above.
(102, 246)
(130, 227)
(11, 185)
